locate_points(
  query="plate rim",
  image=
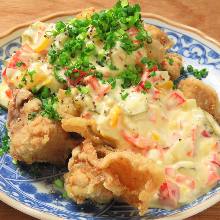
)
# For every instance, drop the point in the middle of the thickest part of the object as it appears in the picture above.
(144, 14)
(44, 215)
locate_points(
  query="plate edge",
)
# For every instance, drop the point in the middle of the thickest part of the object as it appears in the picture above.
(26, 209)
(144, 14)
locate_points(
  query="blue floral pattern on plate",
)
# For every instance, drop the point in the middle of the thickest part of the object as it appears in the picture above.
(35, 191)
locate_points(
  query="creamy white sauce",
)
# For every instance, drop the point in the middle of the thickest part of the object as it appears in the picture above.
(168, 133)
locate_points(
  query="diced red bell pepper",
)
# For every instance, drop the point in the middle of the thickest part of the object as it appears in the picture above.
(4, 72)
(100, 89)
(21, 55)
(169, 194)
(135, 140)
(77, 80)
(14, 59)
(93, 82)
(144, 78)
(82, 74)
(8, 92)
(205, 133)
(156, 94)
(153, 69)
(174, 100)
(192, 152)
(178, 98)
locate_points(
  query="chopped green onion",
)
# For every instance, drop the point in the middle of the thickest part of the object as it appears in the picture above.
(144, 60)
(83, 89)
(124, 95)
(170, 61)
(68, 91)
(31, 74)
(112, 82)
(59, 183)
(190, 68)
(19, 63)
(59, 77)
(65, 195)
(152, 74)
(147, 85)
(15, 162)
(49, 103)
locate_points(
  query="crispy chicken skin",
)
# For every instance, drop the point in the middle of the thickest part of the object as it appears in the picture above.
(36, 140)
(205, 96)
(100, 173)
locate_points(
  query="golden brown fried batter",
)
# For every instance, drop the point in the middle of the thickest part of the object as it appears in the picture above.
(39, 139)
(87, 129)
(84, 180)
(82, 126)
(172, 63)
(160, 43)
(99, 173)
(205, 96)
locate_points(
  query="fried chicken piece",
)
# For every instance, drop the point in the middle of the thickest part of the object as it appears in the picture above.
(38, 139)
(173, 64)
(100, 173)
(84, 180)
(160, 43)
(205, 96)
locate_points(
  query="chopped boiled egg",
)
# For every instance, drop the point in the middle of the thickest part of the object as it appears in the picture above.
(34, 36)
